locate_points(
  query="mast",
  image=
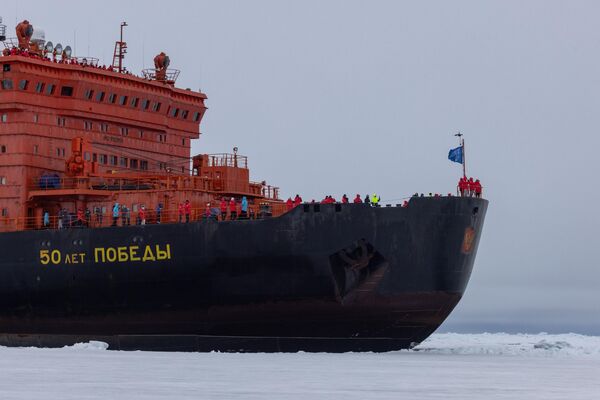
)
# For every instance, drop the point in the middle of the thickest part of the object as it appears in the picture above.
(464, 163)
(461, 142)
(120, 51)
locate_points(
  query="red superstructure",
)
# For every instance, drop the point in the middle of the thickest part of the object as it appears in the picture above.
(75, 135)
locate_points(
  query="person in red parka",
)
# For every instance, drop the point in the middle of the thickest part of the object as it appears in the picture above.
(232, 209)
(142, 215)
(223, 208)
(477, 188)
(289, 204)
(187, 208)
(470, 187)
(462, 185)
(297, 200)
(344, 199)
(180, 210)
(357, 199)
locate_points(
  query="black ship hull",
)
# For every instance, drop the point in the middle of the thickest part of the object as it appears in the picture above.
(319, 278)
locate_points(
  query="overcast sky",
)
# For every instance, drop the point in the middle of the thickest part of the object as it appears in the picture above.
(333, 97)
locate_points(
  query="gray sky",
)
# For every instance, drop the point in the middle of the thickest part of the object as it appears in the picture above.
(361, 96)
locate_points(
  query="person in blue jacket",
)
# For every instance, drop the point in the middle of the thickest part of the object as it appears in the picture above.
(115, 214)
(244, 213)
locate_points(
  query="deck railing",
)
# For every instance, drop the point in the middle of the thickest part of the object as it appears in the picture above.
(227, 160)
(152, 217)
(120, 183)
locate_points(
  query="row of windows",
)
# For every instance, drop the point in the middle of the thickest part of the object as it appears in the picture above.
(114, 160)
(103, 126)
(123, 100)
(101, 158)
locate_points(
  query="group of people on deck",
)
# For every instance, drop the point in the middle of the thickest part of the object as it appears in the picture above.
(232, 207)
(469, 187)
(374, 200)
(15, 51)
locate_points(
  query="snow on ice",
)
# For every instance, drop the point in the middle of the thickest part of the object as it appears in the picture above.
(446, 366)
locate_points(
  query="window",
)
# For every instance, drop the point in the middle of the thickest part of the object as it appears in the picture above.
(134, 102)
(4, 118)
(145, 104)
(88, 125)
(183, 142)
(123, 162)
(7, 84)
(39, 87)
(141, 133)
(36, 149)
(61, 121)
(197, 116)
(123, 100)
(60, 151)
(133, 163)
(66, 91)
(112, 98)
(103, 127)
(144, 165)
(124, 131)
(156, 107)
(2, 149)
(174, 112)
(184, 114)
(5, 212)
(103, 159)
(50, 89)
(36, 118)
(94, 157)
(162, 166)
(23, 84)
(162, 137)
(89, 94)
(6, 68)
(2, 180)
(113, 160)
(87, 156)
(100, 96)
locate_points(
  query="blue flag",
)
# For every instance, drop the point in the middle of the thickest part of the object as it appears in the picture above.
(456, 155)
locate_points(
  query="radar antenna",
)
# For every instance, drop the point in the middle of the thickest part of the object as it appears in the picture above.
(161, 71)
(24, 32)
(120, 51)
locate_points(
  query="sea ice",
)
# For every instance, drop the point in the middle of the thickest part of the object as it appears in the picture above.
(446, 366)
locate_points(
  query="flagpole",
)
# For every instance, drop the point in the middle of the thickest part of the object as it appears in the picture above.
(464, 157)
